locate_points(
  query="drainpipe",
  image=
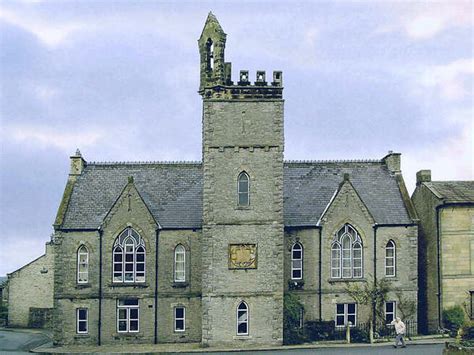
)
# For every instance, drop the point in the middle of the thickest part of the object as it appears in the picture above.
(157, 238)
(99, 327)
(375, 226)
(320, 274)
(438, 264)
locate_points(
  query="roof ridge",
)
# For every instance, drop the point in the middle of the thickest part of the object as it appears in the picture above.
(333, 161)
(176, 162)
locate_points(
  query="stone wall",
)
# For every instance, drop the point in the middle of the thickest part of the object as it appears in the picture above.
(129, 211)
(31, 287)
(457, 252)
(242, 135)
(348, 208)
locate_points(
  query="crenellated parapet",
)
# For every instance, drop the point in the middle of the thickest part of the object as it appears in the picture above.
(216, 74)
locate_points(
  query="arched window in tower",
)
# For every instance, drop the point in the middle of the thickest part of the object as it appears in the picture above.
(390, 259)
(243, 188)
(129, 255)
(210, 54)
(179, 263)
(82, 265)
(297, 261)
(242, 319)
(347, 254)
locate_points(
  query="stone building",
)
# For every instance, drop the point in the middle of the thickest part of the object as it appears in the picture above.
(30, 292)
(205, 251)
(446, 249)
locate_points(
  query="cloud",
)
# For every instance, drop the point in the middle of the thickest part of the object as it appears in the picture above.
(448, 160)
(44, 137)
(50, 33)
(425, 20)
(452, 81)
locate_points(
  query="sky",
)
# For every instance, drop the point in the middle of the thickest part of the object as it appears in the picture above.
(119, 81)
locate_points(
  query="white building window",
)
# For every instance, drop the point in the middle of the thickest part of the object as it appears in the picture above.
(82, 318)
(129, 257)
(179, 319)
(82, 265)
(345, 313)
(297, 262)
(243, 188)
(347, 254)
(390, 259)
(128, 315)
(390, 311)
(179, 263)
(242, 319)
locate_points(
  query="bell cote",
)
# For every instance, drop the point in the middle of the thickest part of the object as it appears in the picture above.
(211, 50)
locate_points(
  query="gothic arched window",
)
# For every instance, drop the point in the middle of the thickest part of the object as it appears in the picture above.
(242, 319)
(347, 254)
(179, 263)
(390, 259)
(82, 265)
(129, 257)
(243, 189)
(297, 261)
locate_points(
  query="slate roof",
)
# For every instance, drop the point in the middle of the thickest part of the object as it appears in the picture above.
(452, 191)
(173, 192)
(309, 187)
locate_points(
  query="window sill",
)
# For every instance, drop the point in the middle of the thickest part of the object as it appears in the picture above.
(135, 335)
(81, 336)
(243, 208)
(129, 284)
(242, 337)
(79, 286)
(180, 284)
(362, 279)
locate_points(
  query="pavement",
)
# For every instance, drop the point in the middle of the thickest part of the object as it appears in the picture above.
(421, 343)
(21, 341)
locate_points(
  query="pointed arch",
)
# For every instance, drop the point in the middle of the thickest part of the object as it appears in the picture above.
(347, 253)
(390, 259)
(243, 318)
(297, 261)
(129, 257)
(243, 189)
(82, 264)
(179, 263)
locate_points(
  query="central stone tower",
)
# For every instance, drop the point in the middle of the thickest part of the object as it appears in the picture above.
(242, 237)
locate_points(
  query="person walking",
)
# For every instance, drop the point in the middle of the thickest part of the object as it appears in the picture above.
(400, 330)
